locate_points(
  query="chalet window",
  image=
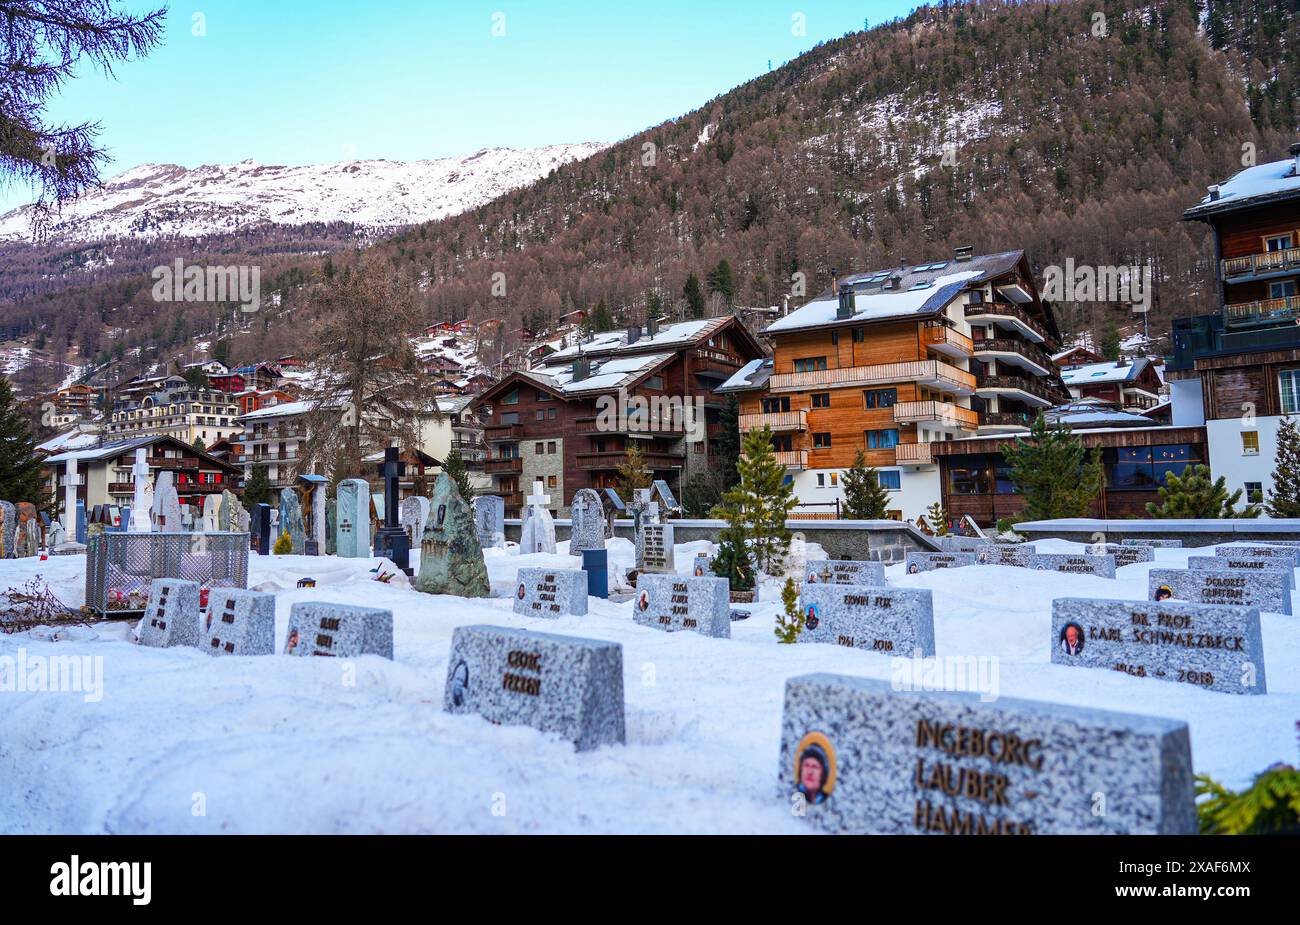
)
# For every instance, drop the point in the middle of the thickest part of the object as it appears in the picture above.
(1281, 289)
(1277, 242)
(511, 397)
(821, 480)
(539, 449)
(859, 335)
(821, 399)
(541, 414)
(966, 481)
(550, 447)
(550, 481)
(810, 364)
(835, 338)
(835, 479)
(976, 297)
(781, 443)
(776, 405)
(1288, 382)
(1145, 467)
(882, 439)
(1250, 443)
(510, 417)
(655, 383)
(1254, 492)
(543, 395)
(821, 441)
(879, 398)
(890, 479)
(550, 413)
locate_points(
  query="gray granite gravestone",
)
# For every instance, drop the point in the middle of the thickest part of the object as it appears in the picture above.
(1265, 590)
(8, 530)
(240, 622)
(1290, 553)
(1123, 555)
(414, 515)
(891, 621)
(654, 548)
(1232, 564)
(451, 559)
(614, 507)
(1207, 645)
(929, 561)
(664, 495)
(860, 757)
(550, 592)
(1155, 544)
(678, 602)
(1101, 566)
(566, 685)
(352, 529)
(1005, 554)
(843, 572)
(339, 630)
(171, 617)
(291, 521)
(490, 521)
(587, 516)
(702, 567)
(168, 516)
(961, 543)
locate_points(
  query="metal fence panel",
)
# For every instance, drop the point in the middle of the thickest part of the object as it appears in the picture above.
(121, 567)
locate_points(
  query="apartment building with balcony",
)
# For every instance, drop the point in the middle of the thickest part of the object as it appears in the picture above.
(171, 406)
(1237, 371)
(892, 362)
(1131, 383)
(569, 421)
(271, 438)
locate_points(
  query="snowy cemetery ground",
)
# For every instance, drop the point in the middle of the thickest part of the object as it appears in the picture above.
(180, 742)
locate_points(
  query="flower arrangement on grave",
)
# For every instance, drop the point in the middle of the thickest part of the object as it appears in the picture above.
(790, 623)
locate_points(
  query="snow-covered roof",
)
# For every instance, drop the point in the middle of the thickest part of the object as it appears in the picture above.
(670, 335)
(605, 375)
(1252, 186)
(1093, 413)
(753, 375)
(107, 450)
(282, 410)
(453, 404)
(75, 439)
(1109, 371)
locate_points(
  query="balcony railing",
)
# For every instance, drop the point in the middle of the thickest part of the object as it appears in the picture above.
(1007, 345)
(1018, 384)
(793, 459)
(1007, 310)
(632, 421)
(945, 339)
(1006, 419)
(503, 433)
(1263, 310)
(614, 460)
(930, 372)
(499, 465)
(913, 454)
(1269, 262)
(936, 412)
(777, 420)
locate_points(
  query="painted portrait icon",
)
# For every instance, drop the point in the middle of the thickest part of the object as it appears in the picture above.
(812, 618)
(815, 768)
(1071, 639)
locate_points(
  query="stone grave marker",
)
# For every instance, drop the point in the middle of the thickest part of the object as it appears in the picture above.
(291, 521)
(703, 565)
(171, 616)
(1265, 590)
(1124, 555)
(352, 531)
(550, 592)
(678, 602)
(843, 572)
(451, 559)
(1017, 554)
(240, 622)
(415, 514)
(1290, 553)
(953, 543)
(1101, 566)
(929, 561)
(861, 757)
(891, 621)
(614, 507)
(339, 630)
(654, 548)
(8, 530)
(1155, 544)
(1207, 645)
(1232, 564)
(587, 518)
(566, 685)
(490, 521)
(538, 531)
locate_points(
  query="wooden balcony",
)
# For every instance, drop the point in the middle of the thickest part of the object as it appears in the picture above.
(942, 338)
(793, 459)
(1027, 389)
(1010, 314)
(943, 413)
(927, 372)
(1237, 268)
(634, 422)
(652, 460)
(1012, 420)
(503, 433)
(501, 466)
(1263, 311)
(1002, 346)
(514, 501)
(777, 420)
(913, 454)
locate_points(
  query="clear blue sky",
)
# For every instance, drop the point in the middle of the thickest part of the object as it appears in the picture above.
(301, 83)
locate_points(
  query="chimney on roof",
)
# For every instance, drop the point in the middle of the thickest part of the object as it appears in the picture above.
(651, 327)
(1214, 192)
(846, 306)
(581, 367)
(893, 282)
(963, 253)
(633, 333)
(1295, 153)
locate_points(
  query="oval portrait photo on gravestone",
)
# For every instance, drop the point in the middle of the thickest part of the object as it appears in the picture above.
(521, 591)
(1071, 639)
(815, 767)
(812, 577)
(643, 601)
(291, 643)
(1163, 593)
(459, 683)
(813, 617)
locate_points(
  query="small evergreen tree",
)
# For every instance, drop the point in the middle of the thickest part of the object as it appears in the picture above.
(200, 445)
(761, 502)
(864, 498)
(1193, 496)
(1109, 344)
(733, 561)
(20, 466)
(789, 624)
(938, 518)
(1053, 472)
(632, 473)
(1284, 496)
(693, 293)
(455, 467)
(701, 494)
(257, 490)
(283, 545)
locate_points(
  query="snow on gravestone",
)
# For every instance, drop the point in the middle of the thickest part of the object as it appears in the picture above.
(1005, 554)
(587, 530)
(1154, 544)
(171, 616)
(339, 630)
(885, 620)
(654, 549)
(414, 515)
(352, 523)
(1101, 566)
(240, 622)
(1124, 555)
(1233, 564)
(550, 592)
(1265, 590)
(843, 572)
(929, 561)
(1208, 645)
(673, 603)
(566, 685)
(703, 565)
(961, 543)
(1289, 553)
(860, 756)
(490, 520)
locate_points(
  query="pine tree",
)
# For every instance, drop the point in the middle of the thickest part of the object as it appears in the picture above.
(864, 497)
(722, 282)
(938, 518)
(257, 490)
(728, 443)
(20, 466)
(694, 296)
(1284, 496)
(1193, 496)
(1053, 472)
(761, 502)
(632, 473)
(790, 623)
(200, 445)
(455, 467)
(733, 560)
(283, 545)
(1109, 344)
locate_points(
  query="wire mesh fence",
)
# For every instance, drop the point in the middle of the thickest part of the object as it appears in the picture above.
(121, 567)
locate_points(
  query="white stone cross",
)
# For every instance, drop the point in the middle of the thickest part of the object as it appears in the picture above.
(139, 503)
(537, 499)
